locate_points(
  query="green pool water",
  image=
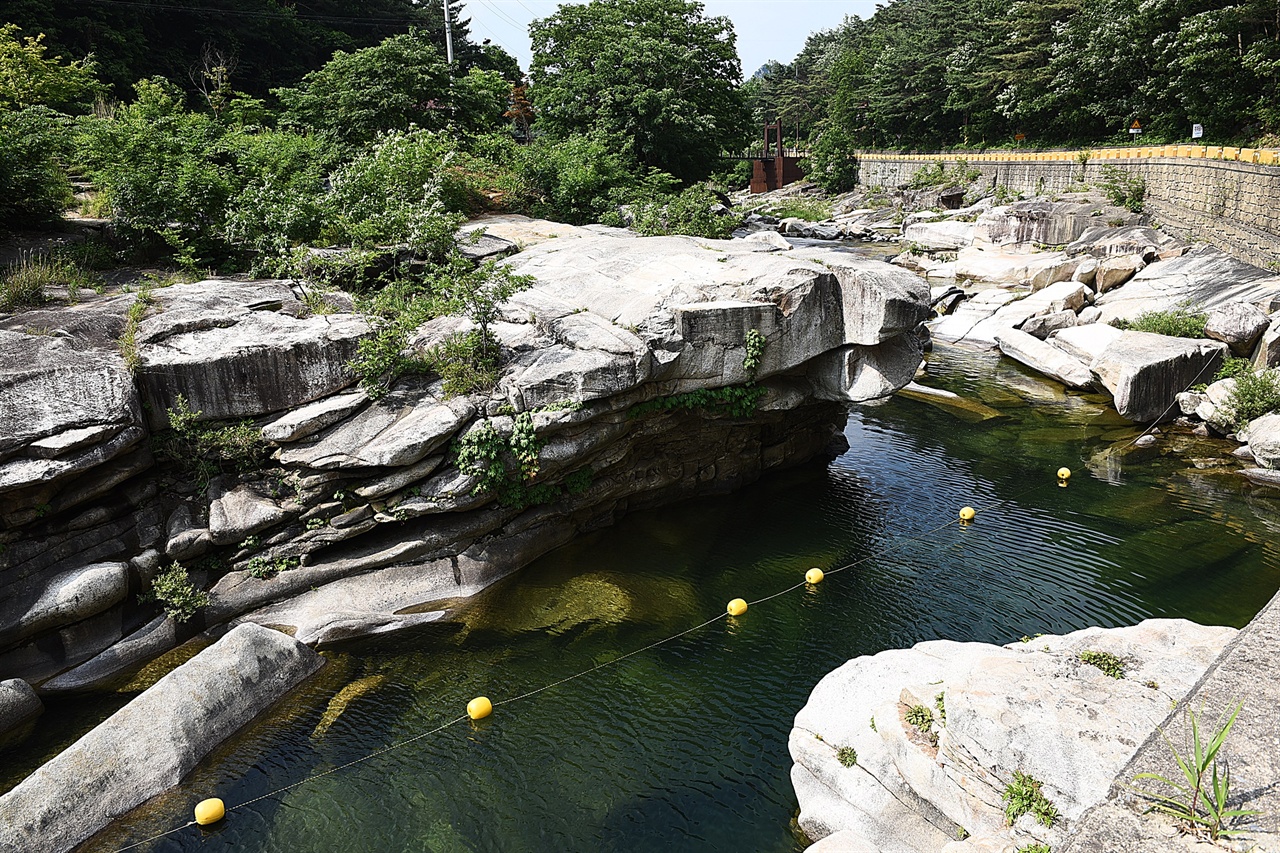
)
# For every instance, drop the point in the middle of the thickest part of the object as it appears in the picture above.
(683, 746)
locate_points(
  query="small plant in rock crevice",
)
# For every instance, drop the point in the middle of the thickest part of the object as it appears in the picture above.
(1201, 798)
(754, 344)
(847, 755)
(172, 589)
(1024, 795)
(1105, 661)
(737, 401)
(1034, 848)
(203, 450)
(940, 702)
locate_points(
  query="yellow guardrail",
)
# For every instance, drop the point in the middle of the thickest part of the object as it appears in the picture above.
(1263, 157)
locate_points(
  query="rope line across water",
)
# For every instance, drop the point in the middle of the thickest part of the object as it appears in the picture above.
(890, 548)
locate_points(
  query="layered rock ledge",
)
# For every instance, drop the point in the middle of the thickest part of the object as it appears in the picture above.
(641, 371)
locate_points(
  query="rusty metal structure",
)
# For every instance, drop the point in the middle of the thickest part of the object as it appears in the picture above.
(774, 166)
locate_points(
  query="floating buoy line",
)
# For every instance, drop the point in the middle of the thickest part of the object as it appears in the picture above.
(213, 810)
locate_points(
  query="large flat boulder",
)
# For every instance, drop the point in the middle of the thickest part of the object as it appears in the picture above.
(398, 430)
(995, 312)
(150, 744)
(1045, 358)
(241, 349)
(947, 235)
(1041, 222)
(1204, 278)
(1035, 708)
(1145, 372)
(52, 386)
(691, 303)
(1036, 269)
(1104, 241)
(1239, 325)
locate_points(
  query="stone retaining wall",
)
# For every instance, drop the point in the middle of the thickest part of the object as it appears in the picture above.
(1233, 205)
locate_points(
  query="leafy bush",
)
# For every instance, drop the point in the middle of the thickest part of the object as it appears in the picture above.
(204, 450)
(1176, 322)
(577, 178)
(33, 185)
(1122, 188)
(28, 78)
(737, 401)
(465, 363)
(811, 209)
(173, 590)
(1254, 395)
(401, 82)
(937, 174)
(692, 212)
(1233, 368)
(392, 193)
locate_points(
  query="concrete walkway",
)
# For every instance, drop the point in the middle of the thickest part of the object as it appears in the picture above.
(1249, 672)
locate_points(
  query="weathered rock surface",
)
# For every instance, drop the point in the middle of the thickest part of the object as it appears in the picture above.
(948, 235)
(771, 342)
(1042, 326)
(1238, 325)
(1045, 358)
(978, 321)
(1039, 222)
(1146, 372)
(1264, 440)
(154, 741)
(1204, 278)
(230, 365)
(1105, 241)
(1036, 269)
(1035, 708)
(18, 704)
(1115, 270)
(67, 598)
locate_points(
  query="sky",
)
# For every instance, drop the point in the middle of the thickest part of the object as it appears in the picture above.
(767, 29)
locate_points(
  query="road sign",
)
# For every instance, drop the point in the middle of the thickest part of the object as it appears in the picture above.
(1135, 128)
(1020, 136)
(1197, 131)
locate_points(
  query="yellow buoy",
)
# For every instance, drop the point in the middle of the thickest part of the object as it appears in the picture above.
(967, 513)
(814, 575)
(210, 811)
(737, 607)
(479, 708)
(1064, 473)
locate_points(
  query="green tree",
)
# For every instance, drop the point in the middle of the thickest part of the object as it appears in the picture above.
(28, 77)
(401, 82)
(657, 76)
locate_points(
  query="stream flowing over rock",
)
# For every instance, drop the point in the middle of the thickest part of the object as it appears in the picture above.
(872, 768)
(640, 370)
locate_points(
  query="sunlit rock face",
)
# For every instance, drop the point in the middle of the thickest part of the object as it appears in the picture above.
(635, 372)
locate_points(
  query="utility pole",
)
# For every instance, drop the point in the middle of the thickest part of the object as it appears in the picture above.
(448, 34)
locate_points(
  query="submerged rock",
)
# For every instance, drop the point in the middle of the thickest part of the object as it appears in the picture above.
(150, 744)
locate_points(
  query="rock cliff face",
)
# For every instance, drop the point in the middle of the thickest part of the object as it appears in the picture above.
(900, 751)
(633, 376)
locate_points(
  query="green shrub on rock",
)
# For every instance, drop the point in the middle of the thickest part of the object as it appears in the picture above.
(1176, 323)
(172, 589)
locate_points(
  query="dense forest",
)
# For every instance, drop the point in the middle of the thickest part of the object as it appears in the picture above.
(231, 129)
(923, 74)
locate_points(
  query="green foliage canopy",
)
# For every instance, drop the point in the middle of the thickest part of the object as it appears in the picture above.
(657, 76)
